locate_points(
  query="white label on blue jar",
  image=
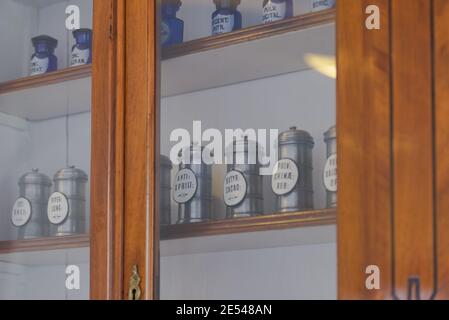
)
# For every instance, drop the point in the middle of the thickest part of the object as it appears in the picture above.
(285, 177)
(318, 5)
(58, 208)
(222, 24)
(21, 212)
(39, 66)
(330, 174)
(235, 188)
(80, 57)
(165, 32)
(185, 186)
(274, 11)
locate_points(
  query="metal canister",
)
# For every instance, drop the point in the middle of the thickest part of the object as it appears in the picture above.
(330, 169)
(193, 186)
(165, 191)
(35, 187)
(292, 179)
(243, 184)
(71, 182)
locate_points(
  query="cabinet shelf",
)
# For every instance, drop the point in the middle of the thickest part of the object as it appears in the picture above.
(45, 244)
(251, 224)
(248, 54)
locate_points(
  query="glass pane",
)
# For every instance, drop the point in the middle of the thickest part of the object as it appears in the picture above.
(45, 117)
(248, 141)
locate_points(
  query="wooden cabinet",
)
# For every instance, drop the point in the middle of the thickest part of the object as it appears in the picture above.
(385, 90)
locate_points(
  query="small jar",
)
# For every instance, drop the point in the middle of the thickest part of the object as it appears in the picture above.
(82, 50)
(330, 168)
(276, 10)
(172, 28)
(43, 59)
(226, 18)
(34, 189)
(318, 5)
(69, 217)
(292, 179)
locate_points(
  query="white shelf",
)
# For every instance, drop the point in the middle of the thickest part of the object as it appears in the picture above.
(39, 3)
(250, 241)
(46, 258)
(245, 61)
(48, 101)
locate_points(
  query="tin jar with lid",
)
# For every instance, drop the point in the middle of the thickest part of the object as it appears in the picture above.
(318, 5)
(165, 191)
(43, 59)
(67, 205)
(243, 184)
(192, 188)
(226, 18)
(82, 50)
(172, 28)
(35, 188)
(330, 168)
(276, 10)
(292, 179)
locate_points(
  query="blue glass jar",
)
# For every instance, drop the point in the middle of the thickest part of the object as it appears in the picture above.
(43, 59)
(226, 18)
(275, 10)
(82, 50)
(172, 28)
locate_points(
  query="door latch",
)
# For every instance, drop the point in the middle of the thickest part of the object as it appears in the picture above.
(134, 285)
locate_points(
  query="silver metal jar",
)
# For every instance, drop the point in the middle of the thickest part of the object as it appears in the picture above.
(35, 187)
(292, 179)
(71, 182)
(192, 188)
(165, 191)
(243, 184)
(330, 169)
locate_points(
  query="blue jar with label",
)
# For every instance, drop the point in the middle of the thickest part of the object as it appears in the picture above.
(172, 28)
(276, 10)
(82, 50)
(226, 18)
(43, 59)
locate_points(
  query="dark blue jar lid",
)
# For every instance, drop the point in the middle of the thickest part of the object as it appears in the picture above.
(227, 3)
(177, 3)
(49, 41)
(82, 31)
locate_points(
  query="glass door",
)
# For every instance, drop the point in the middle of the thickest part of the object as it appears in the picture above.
(247, 176)
(45, 130)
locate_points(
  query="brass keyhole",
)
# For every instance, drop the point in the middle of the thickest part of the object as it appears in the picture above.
(134, 284)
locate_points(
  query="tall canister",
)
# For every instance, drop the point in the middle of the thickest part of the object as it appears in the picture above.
(292, 179)
(193, 186)
(330, 168)
(243, 184)
(67, 205)
(165, 191)
(34, 190)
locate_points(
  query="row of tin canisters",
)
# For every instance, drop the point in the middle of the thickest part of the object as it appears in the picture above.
(227, 18)
(39, 213)
(291, 182)
(44, 59)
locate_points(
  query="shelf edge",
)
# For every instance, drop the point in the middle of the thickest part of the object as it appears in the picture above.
(45, 244)
(63, 75)
(304, 21)
(253, 224)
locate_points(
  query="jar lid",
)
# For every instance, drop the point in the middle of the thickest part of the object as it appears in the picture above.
(71, 173)
(294, 135)
(177, 3)
(82, 31)
(51, 42)
(330, 134)
(188, 154)
(35, 177)
(227, 3)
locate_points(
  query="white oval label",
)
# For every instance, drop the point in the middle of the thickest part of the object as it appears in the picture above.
(21, 212)
(58, 208)
(330, 174)
(273, 11)
(285, 177)
(39, 66)
(222, 23)
(318, 5)
(80, 57)
(185, 186)
(165, 32)
(235, 188)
